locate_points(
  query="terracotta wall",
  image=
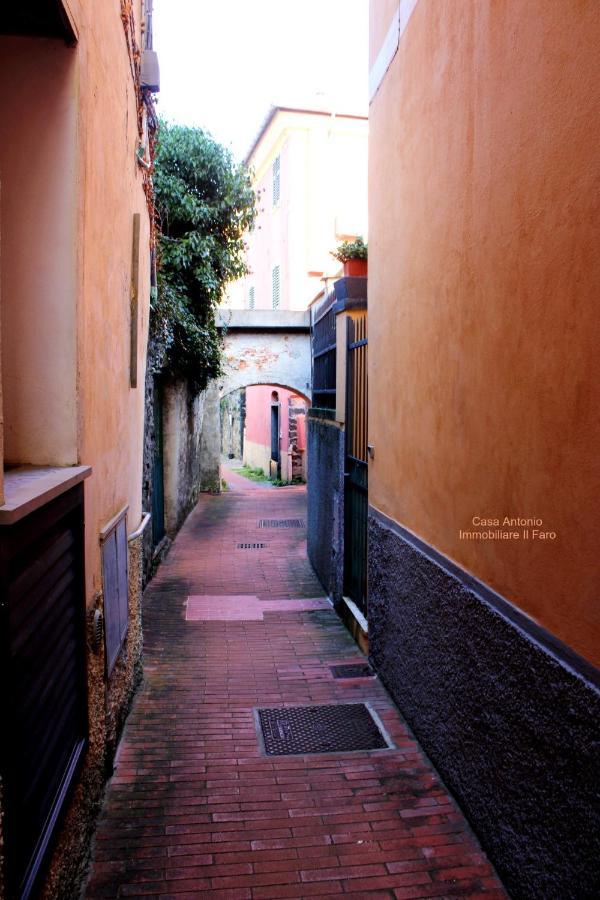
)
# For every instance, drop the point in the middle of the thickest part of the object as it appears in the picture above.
(71, 185)
(111, 413)
(38, 220)
(258, 412)
(483, 294)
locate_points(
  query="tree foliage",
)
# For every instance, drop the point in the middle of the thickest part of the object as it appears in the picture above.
(205, 203)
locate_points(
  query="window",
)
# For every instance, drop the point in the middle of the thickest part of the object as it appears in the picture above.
(276, 288)
(276, 180)
(251, 298)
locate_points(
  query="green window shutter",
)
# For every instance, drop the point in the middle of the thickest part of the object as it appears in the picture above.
(276, 180)
(276, 288)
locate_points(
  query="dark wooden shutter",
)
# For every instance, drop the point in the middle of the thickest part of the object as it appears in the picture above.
(44, 696)
(114, 576)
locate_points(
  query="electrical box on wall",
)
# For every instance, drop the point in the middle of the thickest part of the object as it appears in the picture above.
(150, 74)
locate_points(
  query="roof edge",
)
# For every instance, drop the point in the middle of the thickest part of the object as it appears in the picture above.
(301, 111)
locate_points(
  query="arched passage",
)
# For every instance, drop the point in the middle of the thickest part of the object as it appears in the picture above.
(264, 426)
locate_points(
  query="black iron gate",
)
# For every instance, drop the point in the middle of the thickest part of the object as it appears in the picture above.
(356, 467)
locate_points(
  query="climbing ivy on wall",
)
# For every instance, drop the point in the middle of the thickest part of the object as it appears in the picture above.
(204, 204)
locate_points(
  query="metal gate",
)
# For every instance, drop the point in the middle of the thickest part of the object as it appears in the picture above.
(356, 467)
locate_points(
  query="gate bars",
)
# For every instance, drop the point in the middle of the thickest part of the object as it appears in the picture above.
(356, 468)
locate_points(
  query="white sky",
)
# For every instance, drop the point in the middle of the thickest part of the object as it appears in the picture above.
(224, 63)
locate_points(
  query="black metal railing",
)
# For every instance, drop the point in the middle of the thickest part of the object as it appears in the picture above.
(323, 334)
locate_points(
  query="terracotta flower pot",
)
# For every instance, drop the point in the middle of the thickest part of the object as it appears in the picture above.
(355, 267)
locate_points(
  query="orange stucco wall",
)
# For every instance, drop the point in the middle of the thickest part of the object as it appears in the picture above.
(381, 13)
(70, 187)
(483, 295)
(38, 154)
(111, 413)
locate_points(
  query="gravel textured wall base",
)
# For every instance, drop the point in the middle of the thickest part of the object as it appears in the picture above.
(325, 494)
(510, 720)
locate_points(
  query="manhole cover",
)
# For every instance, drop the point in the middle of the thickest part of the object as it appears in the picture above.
(353, 670)
(281, 523)
(251, 546)
(320, 729)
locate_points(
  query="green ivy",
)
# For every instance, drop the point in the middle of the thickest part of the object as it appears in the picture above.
(204, 203)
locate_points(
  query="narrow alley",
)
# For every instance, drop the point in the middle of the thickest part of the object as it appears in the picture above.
(235, 620)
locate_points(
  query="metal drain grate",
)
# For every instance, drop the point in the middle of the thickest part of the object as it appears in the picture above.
(251, 546)
(353, 670)
(320, 729)
(281, 523)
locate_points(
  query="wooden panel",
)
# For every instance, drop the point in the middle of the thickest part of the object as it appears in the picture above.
(356, 469)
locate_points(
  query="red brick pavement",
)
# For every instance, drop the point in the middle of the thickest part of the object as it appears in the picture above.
(194, 810)
(237, 482)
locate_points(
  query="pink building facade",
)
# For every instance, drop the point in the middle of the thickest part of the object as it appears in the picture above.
(275, 432)
(310, 174)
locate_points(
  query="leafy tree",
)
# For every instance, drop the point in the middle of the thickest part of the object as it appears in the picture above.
(204, 203)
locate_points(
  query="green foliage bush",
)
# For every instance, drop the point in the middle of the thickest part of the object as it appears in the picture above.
(205, 203)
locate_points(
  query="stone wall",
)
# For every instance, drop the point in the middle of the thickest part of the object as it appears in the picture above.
(325, 441)
(508, 715)
(233, 414)
(191, 453)
(271, 357)
(150, 438)
(191, 440)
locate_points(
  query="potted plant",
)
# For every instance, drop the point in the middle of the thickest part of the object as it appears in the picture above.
(353, 255)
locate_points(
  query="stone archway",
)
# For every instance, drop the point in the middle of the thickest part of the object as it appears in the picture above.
(265, 347)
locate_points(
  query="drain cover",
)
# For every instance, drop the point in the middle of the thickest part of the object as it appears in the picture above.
(281, 523)
(353, 670)
(250, 546)
(320, 729)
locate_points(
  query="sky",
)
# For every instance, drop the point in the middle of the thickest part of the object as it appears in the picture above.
(224, 63)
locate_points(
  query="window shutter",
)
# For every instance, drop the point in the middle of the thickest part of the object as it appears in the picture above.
(276, 288)
(276, 180)
(116, 592)
(251, 298)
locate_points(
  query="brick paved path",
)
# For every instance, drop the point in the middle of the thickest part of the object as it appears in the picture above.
(237, 482)
(194, 810)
